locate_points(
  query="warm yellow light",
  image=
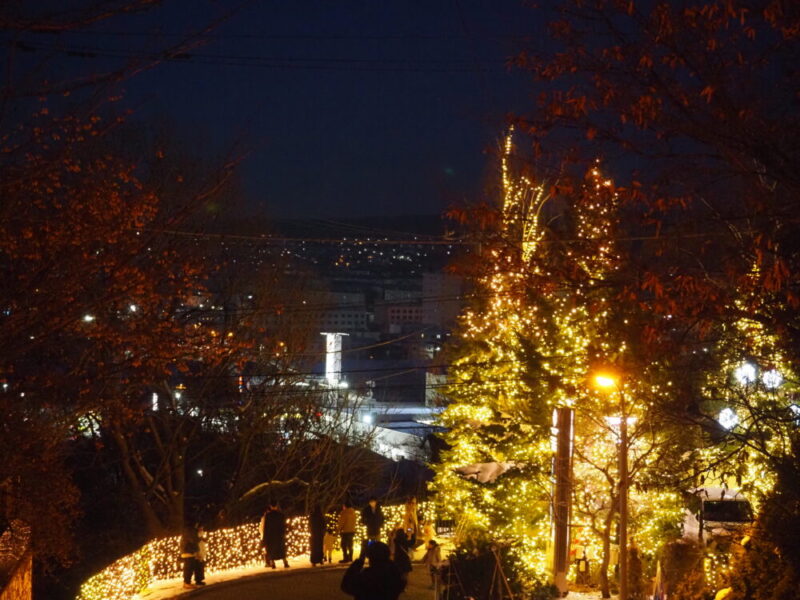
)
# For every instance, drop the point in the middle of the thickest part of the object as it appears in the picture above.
(605, 381)
(231, 548)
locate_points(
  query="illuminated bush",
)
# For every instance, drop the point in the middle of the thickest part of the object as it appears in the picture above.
(232, 548)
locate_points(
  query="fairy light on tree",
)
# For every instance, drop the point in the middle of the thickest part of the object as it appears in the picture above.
(525, 348)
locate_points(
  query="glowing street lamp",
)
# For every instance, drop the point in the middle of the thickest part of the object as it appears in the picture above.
(608, 382)
(605, 381)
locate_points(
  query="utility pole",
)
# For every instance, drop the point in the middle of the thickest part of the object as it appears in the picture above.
(623, 500)
(562, 497)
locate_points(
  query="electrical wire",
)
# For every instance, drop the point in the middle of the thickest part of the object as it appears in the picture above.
(271, 62)
(292, 36)
(268, 240)
(284, 308)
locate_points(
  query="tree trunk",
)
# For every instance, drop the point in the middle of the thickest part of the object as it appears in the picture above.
(605, 589)
(153, 524)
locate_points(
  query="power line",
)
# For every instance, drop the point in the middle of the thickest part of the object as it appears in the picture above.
(338, 225)
(284, 308)
(268, 240)
(441, 65)
(296, 374)
(292, 36)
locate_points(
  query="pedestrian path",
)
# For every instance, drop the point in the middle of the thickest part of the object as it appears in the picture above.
(304, 584)
(300, 581)
(173, 588)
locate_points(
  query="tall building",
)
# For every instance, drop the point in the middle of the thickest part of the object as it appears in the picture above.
(441, 299)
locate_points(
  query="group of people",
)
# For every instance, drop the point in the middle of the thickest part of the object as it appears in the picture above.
(385, 576)
(389, 563)
(371, 517)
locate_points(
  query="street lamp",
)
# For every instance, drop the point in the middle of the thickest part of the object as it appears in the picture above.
(609, 382)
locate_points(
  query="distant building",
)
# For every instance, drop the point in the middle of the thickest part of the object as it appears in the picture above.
(398, 315)
(398, 304)
(345, 311)
(345, 320)
(442, 299)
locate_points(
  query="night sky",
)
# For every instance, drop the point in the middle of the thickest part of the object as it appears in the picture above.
(346, 108)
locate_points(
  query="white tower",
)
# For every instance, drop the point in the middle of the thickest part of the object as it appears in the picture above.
(333, 358)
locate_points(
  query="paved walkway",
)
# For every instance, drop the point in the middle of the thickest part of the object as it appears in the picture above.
(302, 584)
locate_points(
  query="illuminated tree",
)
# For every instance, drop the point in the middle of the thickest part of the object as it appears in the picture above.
(675, 92)
(655, 510)
(660, 85)
(540, 324)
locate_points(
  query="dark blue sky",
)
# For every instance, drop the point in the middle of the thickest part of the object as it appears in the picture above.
(348, 107)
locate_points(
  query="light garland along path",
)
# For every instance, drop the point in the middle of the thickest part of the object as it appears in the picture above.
(233, 552)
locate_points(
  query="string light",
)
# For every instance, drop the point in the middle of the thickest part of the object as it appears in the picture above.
(231, 548)
(525, 314)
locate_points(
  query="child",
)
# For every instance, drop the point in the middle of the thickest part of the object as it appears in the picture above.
(433, 558)
(328, 542)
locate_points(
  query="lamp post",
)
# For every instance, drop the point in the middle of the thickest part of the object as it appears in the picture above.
(608, 382)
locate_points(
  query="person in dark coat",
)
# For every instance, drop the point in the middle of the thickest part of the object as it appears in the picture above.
(372, 518)
(190, 546)
(402, 550)
(316, 526)
(273, 536)
(381, 580)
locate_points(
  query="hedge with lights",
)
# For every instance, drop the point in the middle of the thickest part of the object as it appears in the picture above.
(231, 548)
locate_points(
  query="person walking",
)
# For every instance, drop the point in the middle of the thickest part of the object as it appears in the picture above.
(433, 560)
(410, 515)
(189, 549)
(403, 542)
(372, 518)
(316, 526)
(273, 536)
(347, 529)
(381, 580)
